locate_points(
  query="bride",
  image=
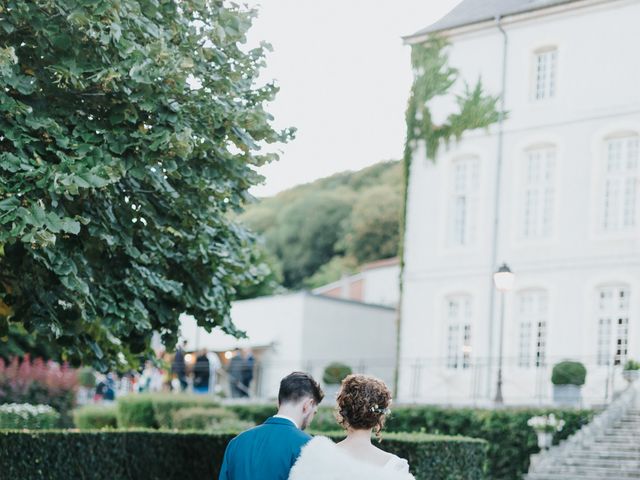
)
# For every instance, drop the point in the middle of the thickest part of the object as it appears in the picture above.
(363, 403)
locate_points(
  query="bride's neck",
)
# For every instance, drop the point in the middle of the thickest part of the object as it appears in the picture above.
(359, 436)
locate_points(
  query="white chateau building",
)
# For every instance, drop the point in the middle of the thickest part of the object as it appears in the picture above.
(566, 202)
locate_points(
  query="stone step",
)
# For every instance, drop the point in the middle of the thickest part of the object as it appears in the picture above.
(611, 463)
(617, 437)
(566, 476)
(595, 454)
(608, 448)
(589, 472)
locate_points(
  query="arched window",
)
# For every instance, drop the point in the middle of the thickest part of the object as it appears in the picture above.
(532, 313)
(621, 180)
(463, 200)
(545, 68)
(538, 192)
(613, 324)
(458, 311)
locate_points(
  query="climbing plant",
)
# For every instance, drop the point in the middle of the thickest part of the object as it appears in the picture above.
(434, 77)
(128, 131)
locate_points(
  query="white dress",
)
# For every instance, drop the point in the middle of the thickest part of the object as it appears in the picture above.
(321, 459)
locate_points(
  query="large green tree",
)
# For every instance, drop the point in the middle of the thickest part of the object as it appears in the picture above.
(128, 130)
(375, 224)
(321, 230)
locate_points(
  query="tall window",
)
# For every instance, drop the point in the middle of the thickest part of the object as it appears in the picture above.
(532, 309)
(545, 65)
(621, 182)
(458, 311)
(539, 192)
(464, 191)
(613, 324)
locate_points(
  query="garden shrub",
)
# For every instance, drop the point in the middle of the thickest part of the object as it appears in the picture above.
(568, 373)
(256, 413)
(219, 420)
(39, 383)
(136, 411)
(201, 418)
(92, 417)
(335, 372)
(165, 405)
(156, 410)
(511, 440)
(24, 415)
(152, 455)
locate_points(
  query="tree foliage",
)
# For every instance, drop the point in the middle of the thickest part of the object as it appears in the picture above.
(128, 131)
(309, 232)
(375, 224)
(322, 230)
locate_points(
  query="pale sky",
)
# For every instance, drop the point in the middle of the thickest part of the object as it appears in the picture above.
(344, 78)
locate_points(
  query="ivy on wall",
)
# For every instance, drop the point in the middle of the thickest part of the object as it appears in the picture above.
(434, 77)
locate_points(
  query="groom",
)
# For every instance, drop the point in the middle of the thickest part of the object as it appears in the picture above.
(270, 450)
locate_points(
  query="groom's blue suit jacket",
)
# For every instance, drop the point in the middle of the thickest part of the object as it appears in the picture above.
(266, 452)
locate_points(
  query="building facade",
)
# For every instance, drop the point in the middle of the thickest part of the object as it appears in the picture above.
(303, 331)
(564, 214)
(377, 283)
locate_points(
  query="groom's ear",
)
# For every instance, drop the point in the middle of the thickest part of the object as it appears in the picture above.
(307, 405)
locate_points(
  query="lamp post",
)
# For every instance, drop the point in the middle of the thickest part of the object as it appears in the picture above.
(503, 279)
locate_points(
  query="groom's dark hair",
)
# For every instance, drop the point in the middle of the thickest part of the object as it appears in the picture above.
(298, 385)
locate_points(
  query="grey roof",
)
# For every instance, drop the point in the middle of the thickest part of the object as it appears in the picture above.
(469, 12)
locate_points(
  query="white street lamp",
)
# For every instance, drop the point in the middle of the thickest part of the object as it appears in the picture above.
(504, 280)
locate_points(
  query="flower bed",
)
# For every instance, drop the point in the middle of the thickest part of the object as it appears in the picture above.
(24, 415)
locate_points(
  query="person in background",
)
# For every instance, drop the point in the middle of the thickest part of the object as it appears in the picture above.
(179, 367)
(248, 362)
(234, 371)
(201, 373)
(214, 366)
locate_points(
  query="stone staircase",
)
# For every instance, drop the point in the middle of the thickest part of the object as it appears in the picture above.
(606, 449)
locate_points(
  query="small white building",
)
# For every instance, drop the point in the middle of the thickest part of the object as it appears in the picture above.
(304, 331)
(563, 210)
(376, 282)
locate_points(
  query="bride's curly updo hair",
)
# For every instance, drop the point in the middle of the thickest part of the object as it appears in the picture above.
(363, 403)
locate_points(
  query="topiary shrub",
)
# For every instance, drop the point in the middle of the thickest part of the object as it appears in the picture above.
(164, 406)
(201, 418)
(156, 410)
(136, 411)
(569, 373)
(335, 372)
(24, 415)
(632, 365)
(212, 420)
(255, 414)
(93, 417)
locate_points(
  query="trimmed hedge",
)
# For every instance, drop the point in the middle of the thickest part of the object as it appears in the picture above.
(92, 417)
(155, 455)
(511, 440)
(156, 410)
(209, 420)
